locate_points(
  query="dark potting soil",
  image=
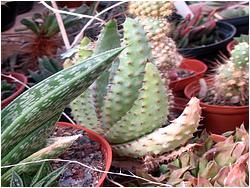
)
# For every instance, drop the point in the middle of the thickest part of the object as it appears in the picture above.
(179, 73)
(209, 99)
(83, 150)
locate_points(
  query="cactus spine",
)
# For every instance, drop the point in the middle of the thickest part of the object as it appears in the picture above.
(136, 102)
(152, 15)
(232, 78)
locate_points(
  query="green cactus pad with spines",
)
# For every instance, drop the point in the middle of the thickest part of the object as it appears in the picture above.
(86, 108)
(123, 90)
(164, 139)
(240, 54)
(30, 144)
(49, 152)
(149, 111)
(84, 113)
(43, 101)
(108, 39)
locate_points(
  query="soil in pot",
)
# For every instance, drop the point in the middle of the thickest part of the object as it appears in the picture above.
(218, 118)
(83, 150)
(7, 89)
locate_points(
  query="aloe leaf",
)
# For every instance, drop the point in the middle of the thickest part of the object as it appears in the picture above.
(46, 99)
(31, 143)
(50, 178)
(40, 174)
(51, 151)
(16, 180)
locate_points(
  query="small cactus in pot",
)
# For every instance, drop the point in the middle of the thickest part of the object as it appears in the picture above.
(130, 102)
(231, 80)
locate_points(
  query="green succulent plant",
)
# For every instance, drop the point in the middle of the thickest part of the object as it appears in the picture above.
(47, 67)
(242, 38)
(219, 160)
(45, 39)
(232, 79)
(129, 102)
(28, 120)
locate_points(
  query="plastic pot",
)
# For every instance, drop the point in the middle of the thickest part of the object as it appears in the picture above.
(219, 119)
(240, 23)
(194, 65)
(19, 87)
(8, 14)
(106, 148)
(226, 32)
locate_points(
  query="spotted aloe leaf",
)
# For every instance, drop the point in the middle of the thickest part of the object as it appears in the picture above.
(49, 152)
(30, 144)
(45, 100)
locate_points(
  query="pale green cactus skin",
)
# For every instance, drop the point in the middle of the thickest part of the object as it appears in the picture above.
(165, 139)
(240, 55)
(123, 90)
(231, 83)
(136, 103)
(147, 113)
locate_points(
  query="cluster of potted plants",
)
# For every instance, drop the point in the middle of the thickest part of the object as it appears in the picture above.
(135, 94)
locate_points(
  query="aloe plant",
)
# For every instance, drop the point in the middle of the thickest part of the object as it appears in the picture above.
(29, 119)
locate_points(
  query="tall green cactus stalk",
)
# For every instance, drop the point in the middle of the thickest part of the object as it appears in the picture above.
(152, 15)
(231, 84)
(135, 101)
(29, 119)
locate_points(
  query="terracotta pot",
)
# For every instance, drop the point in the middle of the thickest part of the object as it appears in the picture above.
(19, 87)
(72, 4)
(106, 148)
(230, 46)
(219, 119)
(198, 67)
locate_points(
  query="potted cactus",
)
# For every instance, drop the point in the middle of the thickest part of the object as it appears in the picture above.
(30, 119)
(170, 63)
(11, 87)
(129, 103)
(225, 95)
(241, 38)
(209, 160)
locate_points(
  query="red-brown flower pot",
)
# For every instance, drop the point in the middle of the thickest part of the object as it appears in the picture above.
(194, 65)
(19, 87)
(106, 148)
(219, 119)
(230, 46)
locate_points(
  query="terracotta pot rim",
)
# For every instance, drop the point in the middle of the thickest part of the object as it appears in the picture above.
(202, 71)
(105, 146)
(209, 80)
(19, 87)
